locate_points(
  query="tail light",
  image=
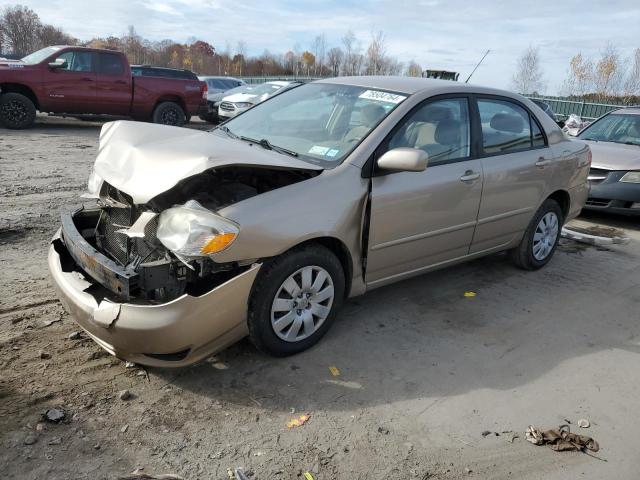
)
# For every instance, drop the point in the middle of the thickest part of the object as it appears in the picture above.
(205, 88)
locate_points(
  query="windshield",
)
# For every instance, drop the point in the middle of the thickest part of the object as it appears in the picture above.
(320, 123)
(265, 88)
(37, 57)
(617, 128)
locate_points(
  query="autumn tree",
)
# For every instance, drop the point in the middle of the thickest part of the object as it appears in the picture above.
(308, 60)
(413, 69)
(376, 53)
(632, 81)
(528, 77)
(608, 73)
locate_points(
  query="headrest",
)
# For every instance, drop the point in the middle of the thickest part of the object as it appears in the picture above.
(433, 114)
(506, 122)
(448, 132)
(373, 113)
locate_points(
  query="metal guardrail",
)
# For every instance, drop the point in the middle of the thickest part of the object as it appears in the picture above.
(584, 109)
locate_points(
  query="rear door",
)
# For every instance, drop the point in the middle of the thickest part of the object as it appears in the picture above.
(113, 84)
(422, 219)
(517, 164)
(72, 89)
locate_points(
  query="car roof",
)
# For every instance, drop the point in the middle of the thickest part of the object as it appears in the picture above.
(411, 85)
(632, 110)
(280, 83)
(217, 77)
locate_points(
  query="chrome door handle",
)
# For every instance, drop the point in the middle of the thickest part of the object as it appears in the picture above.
(469, 176)
(543, 162)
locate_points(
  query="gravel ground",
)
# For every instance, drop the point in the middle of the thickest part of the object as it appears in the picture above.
(424, 370)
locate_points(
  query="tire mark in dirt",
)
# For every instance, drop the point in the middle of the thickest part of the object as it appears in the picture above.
(18, 308)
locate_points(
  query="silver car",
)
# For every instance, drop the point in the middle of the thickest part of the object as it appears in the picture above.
(239, 102)
(266, 224)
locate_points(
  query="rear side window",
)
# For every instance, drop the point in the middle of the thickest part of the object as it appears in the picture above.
(110, 64)
(507, 127)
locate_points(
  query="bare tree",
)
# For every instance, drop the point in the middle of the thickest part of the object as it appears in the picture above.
(632, 82)
(348, 41)
(335, 60)
(579, 79)
(50, 35)
(413, 69)
(528, 77)
(376, 52)
(20, 28)
(240, 56)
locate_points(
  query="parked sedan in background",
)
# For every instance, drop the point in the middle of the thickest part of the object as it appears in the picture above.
(221, 84)
(237, 103)
(266, 224)
(215, 97)
(615, 172)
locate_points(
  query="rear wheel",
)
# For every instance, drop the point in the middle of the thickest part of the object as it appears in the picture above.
(295, 299)
(169, 113)
(541, 238)
(16, 111)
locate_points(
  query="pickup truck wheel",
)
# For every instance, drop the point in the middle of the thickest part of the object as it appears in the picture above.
(541, 238)
(16, 111)
(294, 300)
(169, 113)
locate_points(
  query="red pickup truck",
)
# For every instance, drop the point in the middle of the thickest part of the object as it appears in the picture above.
(77, 80)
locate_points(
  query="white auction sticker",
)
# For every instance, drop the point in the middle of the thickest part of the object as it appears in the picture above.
(379, 96)
(318, 150)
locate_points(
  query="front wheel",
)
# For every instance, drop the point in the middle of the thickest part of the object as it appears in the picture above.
(169, 113)
(16, 111)
(541, 238)
(295, 299)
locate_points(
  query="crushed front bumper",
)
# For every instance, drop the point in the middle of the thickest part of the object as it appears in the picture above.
(173, 334)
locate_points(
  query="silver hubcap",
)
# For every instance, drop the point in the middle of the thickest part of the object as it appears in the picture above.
(302, 304)
(545, 236)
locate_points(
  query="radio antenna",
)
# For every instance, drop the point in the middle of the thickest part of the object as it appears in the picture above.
(476, 67)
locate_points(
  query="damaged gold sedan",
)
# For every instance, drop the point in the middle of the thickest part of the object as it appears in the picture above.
(265, 224)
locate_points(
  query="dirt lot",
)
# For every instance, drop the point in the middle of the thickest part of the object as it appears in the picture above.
(424, 369)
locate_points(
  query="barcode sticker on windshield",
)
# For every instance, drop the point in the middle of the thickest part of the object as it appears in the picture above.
(379, 96)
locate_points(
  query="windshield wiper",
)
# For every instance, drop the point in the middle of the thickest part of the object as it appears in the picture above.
(267, 145)
(226, 130)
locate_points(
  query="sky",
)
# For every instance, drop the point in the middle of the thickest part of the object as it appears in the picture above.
(438, 34)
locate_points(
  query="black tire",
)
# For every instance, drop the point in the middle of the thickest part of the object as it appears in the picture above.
(169, 113)
(16, 111)
(523, 254)
(271, 277)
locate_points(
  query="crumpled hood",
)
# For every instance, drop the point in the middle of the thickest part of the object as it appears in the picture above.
(144, 159)
(614, 156)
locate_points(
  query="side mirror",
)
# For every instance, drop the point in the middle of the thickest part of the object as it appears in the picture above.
(58, 63)
(404, 160)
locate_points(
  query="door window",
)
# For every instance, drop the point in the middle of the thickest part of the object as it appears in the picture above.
(507, 127)
(77, 61)
(440, 128)
(110, 64)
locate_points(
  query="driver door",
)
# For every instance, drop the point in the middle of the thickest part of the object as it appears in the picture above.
(72, 89)
(423, 219)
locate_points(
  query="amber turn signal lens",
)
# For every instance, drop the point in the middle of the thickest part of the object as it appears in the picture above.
(218, 243)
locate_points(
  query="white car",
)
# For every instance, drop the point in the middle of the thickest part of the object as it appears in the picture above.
(239, 102)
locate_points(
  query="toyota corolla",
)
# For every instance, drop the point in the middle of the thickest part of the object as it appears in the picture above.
(263, 226)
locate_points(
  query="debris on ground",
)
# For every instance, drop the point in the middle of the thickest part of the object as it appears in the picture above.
(334, 371)
(129, 365)
(238, 474)
(30, 439)
(54, 415)
(601, 238)
(383, 430)
(124, 428)
(48, 323)
(561, 439)
(145, 476)
(297, 422)
(125, 395)
(75, 336)
(307, 476)
(470, 294)
(584, 423)
(485, 433)
(44, 355)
